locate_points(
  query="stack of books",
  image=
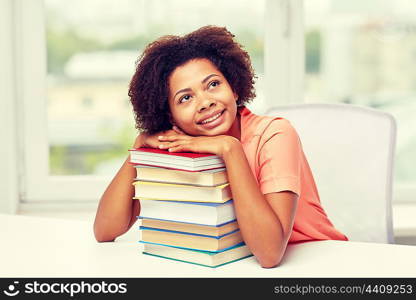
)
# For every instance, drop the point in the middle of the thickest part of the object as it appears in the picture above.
(187, 211)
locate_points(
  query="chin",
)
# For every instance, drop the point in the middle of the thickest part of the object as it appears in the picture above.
(217, 131)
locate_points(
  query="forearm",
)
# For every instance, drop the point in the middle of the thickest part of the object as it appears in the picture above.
(117, 210)
(260, 226)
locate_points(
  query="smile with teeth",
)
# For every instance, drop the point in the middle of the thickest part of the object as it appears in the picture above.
(212, 118)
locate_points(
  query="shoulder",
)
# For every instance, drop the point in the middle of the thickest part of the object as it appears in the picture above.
(265, 127)
(270, 126)
(275, 125)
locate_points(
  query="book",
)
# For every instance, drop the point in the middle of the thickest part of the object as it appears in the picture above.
(213, 177)
(214, 214)
(203, 258)
(191, 228)
(175, 160)
(180, 192)
(190, 240)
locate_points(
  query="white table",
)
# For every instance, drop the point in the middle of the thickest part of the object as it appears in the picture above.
(45, 247)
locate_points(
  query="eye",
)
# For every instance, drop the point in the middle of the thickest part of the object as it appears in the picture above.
(184, 99)
(214, 83)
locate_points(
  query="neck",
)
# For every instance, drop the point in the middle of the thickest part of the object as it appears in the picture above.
(235, 129)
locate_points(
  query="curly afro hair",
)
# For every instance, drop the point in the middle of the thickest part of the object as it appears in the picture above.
(148, 89)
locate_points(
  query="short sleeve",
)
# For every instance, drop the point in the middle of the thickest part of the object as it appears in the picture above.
(280, 158)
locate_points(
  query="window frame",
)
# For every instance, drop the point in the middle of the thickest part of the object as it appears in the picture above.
(9, 177)
(39, 186)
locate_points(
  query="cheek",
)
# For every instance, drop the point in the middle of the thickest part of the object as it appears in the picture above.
(183, 119)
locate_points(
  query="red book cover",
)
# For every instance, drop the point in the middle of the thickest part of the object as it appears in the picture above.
(166, 152)
(176, 169)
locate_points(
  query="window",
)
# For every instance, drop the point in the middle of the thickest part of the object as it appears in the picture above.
(91, 50)
(364, 53)
(70, 110)
(74, 65)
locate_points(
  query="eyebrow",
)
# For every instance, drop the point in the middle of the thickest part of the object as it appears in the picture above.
(188, 89)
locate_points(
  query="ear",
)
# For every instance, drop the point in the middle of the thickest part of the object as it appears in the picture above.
(235, 97)
(235, 94)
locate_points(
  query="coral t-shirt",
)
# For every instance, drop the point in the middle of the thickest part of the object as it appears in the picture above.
(275, 155)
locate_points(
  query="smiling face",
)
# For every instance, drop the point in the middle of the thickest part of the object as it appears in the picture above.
(201, 101)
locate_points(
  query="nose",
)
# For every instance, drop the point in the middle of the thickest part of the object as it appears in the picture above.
(206, 103)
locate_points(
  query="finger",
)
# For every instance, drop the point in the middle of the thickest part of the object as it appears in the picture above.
(169, 145)
(172, 138)
(167, 138)
(178, 130)
(179, 148)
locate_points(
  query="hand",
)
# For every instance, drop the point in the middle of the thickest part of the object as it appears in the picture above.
(217, 145)
(151, 141)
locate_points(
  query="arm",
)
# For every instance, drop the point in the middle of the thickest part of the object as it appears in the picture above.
(265, 221)
(117, 210)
